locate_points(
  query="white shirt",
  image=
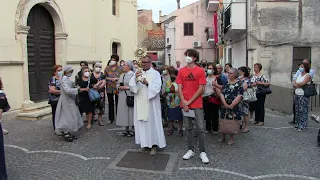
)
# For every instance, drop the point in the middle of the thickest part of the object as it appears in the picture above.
(299, 91)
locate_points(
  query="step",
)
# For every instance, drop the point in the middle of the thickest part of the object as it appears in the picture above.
(39, 114)
(36, 107)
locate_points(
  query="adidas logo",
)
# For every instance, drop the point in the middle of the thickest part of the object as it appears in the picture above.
(190, 77)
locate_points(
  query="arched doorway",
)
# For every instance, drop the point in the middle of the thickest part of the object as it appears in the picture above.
(41, 52)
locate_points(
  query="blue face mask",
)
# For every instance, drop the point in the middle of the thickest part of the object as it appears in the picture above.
(60, 73)
(69, 75)
(301, 69)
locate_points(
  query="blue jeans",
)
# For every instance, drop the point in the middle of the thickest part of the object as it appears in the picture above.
(3, 172)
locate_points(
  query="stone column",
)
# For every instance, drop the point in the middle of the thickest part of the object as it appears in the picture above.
(61, 48)
(22, 33)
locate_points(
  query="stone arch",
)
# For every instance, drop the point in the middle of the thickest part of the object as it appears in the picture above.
(24, 8)
(22, 30)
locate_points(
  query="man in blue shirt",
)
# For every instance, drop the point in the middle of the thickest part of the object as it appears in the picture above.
(314, 117)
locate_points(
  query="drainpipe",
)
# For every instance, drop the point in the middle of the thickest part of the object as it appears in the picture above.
(247, 61)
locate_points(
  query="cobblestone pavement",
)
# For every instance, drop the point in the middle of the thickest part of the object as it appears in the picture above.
(275, 151)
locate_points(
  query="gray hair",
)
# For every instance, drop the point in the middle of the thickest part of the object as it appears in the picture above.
(99, 64)
(235, 71)
(219, 65)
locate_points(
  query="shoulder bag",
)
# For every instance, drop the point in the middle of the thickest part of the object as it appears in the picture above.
(94, 95)
(250, 95)
(229, 126)
(310, 90)
(129, 99)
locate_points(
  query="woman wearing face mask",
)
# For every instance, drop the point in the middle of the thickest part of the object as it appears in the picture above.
(87, 82)
(54, 93)
(112, 73)
(245, 79)
(68, 118)
(121, 62)
(211, 103)
(301, 101)
(98, 76)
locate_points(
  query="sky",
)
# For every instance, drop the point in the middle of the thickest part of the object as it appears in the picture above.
(167, 6)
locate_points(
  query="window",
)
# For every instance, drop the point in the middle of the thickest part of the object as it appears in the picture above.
(114, 49)
(114, 7)
(299, 54)
(188, 29)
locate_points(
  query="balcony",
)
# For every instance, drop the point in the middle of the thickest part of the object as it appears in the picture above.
(235, 19)
(212, 5)
(209, 35)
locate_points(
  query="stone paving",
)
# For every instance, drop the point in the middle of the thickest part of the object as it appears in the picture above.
(275, 151)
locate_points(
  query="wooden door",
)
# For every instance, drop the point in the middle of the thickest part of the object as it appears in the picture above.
(41, 52)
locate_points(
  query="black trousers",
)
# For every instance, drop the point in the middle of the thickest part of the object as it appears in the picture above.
(112, 111)
(294, 110)
(211, 115)
(259, 108)
(53, 110)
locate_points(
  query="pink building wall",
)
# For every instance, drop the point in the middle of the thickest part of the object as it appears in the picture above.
(196, 13)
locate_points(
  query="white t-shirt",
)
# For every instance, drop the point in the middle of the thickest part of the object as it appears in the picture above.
(299, 91)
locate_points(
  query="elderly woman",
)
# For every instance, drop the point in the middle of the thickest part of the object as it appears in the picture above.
(68, 118)
(125, 115)
(54, 93)
(4, 107)
(301, 101)
(98, 76)
(231, 98)
(245, 79)
(259, 79)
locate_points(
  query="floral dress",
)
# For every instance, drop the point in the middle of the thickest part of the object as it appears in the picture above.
(230, 92)
(246, 104)
(100, 105)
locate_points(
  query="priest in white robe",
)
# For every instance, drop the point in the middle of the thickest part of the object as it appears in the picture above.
(146, 85)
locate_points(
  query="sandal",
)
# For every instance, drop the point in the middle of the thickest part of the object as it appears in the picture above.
(221, 140)
(245, 131)
(230, 142)
(68, 138)
(180, 132)
(125, 133)
(170, 132)
(130, 133)
(260, 124)
(89, 127)
(100, 123)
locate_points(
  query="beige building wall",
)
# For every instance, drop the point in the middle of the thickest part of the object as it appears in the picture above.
(84, 30)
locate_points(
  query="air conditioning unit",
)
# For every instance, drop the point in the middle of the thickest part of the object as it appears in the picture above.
(197, 44)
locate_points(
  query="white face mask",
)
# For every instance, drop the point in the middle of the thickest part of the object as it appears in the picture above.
(209, 72)
(188, 59)
(98, 69)
(60, 73)
(86, 74)
(113, 63)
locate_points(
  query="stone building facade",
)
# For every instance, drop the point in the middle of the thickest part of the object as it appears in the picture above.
(37, 34)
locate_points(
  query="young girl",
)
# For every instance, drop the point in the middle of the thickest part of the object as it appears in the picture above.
(173, 102)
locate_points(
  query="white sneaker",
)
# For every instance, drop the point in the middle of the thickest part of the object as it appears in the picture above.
(5, 132)
(188, 155)
(204, 158)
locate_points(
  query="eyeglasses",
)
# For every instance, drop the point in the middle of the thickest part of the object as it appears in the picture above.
(230, 73)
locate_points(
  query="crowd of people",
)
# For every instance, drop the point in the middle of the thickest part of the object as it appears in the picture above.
(142, 100)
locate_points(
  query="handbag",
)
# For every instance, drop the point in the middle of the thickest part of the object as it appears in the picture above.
(264, 90)
(310, 90)
(94, 95)
(129, 99)
(250, 95)
(229, 126)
